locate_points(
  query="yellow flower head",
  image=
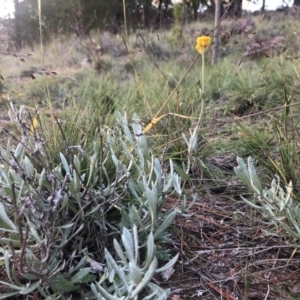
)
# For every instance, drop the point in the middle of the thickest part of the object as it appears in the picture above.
(34, 124)
(203, 43)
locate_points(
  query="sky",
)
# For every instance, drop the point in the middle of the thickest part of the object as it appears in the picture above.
(7, 6)
(270, 4)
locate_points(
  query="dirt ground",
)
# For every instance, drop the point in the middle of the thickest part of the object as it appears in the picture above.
(227, 251)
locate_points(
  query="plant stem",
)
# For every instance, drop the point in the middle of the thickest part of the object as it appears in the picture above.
(203, 66)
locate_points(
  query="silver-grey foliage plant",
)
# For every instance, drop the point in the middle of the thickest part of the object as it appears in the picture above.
(90, 226)
(276, 203)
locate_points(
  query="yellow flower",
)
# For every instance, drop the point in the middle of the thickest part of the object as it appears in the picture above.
(34, 124)
(203, 43)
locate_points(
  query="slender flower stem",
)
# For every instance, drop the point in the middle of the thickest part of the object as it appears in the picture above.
(203, 66)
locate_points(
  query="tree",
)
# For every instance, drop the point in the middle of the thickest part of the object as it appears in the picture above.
(17, 27)
(296, 3)
(263, 5)
(235, 8)
(217, 31)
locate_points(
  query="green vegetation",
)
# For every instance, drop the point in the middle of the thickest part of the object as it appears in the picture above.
(92, 207)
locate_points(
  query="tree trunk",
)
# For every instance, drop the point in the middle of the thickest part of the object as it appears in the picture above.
(263, 6)
(296, 3)
(195, 6)
(217, 32)
(144, 12)
(235, 9)
(158, 16)
(184, 12)
(17, 25)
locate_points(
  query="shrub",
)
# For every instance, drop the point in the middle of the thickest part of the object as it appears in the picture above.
(276, 204)
(60, 222)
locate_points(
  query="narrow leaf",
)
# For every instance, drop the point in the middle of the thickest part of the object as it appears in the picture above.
(169, 264)
(30, 288)
(65, 163)
(116, 268)
(80, 275)
(5, 221)
(166, 223)
(147, 277)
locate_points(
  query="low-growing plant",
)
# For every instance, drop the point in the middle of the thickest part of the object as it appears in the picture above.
(275, 203)
(60, 222)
